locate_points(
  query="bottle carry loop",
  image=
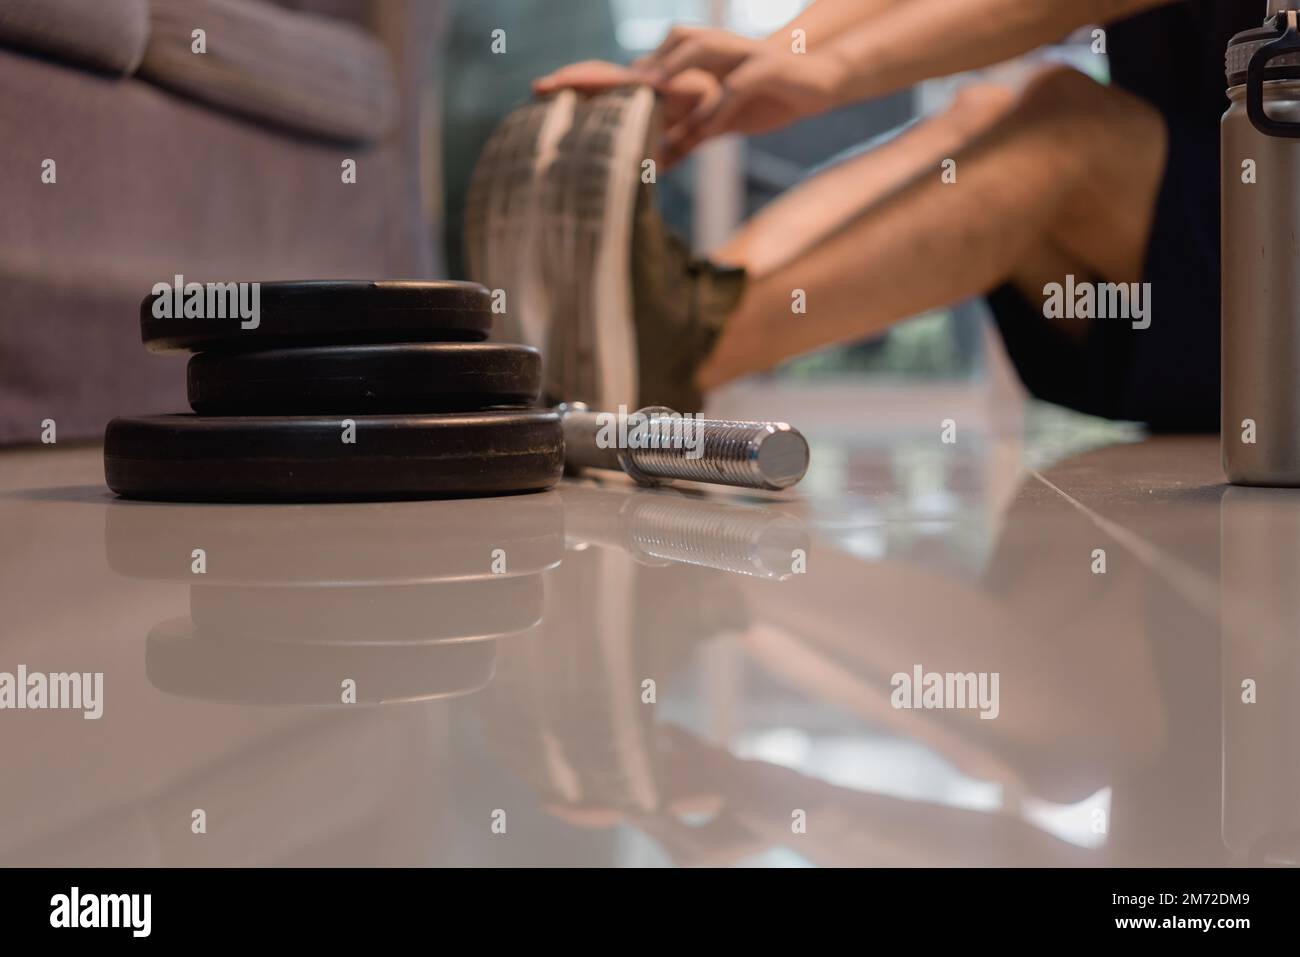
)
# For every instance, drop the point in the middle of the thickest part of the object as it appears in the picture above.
(1287, 42)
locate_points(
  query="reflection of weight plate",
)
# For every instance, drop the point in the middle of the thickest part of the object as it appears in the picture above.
(370, 614)
(181, 661)
(321, 313)
(309, 458)
(411, 377)
(390, 543)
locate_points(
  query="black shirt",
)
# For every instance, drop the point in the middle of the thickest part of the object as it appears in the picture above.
(1173, 56)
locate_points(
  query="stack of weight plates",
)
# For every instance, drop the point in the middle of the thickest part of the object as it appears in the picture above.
(339, 390)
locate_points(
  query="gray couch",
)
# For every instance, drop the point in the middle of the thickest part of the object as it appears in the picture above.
(222, 165)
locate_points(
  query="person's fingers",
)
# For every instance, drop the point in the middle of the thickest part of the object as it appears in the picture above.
(695, 54)
(650, 63)
(751, 77)
(741, 93)
(679, 96)
(679, 135)
(686, 55)
(719, 113)
(723, 119)
(584, 85)
(557, 78)
(714, 51)
(748, 101)
(588, 76)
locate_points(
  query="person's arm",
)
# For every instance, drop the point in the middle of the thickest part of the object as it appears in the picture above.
(719, 51)
(919, 39)
(910, 41)
(825, 20)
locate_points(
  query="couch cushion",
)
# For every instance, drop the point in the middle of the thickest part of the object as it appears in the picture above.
(106, 36)
(296, 70)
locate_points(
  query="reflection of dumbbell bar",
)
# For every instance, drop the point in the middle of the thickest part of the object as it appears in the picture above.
(342, 390)
(660, 529)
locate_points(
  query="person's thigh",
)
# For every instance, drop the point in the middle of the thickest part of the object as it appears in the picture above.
(1145, 211)
(842, 189)
(1113, 151)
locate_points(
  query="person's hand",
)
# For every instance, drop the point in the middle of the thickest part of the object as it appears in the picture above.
(685, 48)
(766, 92)
(679, 96)
(695, 48)
(589, 76)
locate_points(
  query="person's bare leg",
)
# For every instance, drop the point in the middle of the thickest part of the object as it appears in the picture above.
(1059, 178)
(795, 222)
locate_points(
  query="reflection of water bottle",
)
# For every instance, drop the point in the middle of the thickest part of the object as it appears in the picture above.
(1261, 253)
(1260, 616)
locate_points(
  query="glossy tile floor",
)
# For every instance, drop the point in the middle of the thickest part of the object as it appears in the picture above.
(502, 653)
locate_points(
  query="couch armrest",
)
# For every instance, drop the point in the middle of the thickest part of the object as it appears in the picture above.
(299, 71)
(105, 36)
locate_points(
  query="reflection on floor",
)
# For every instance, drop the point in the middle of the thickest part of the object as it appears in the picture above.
(607, 675)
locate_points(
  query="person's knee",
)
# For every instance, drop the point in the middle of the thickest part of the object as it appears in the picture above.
(1089, 122)
(1056, 86)
(1065, 95)
(982, 100)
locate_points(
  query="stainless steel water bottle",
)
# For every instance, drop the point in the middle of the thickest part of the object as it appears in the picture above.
(1261, 252)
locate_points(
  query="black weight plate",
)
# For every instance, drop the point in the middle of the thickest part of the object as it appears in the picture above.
(305, 458)
(383, 379)
(319, 313)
